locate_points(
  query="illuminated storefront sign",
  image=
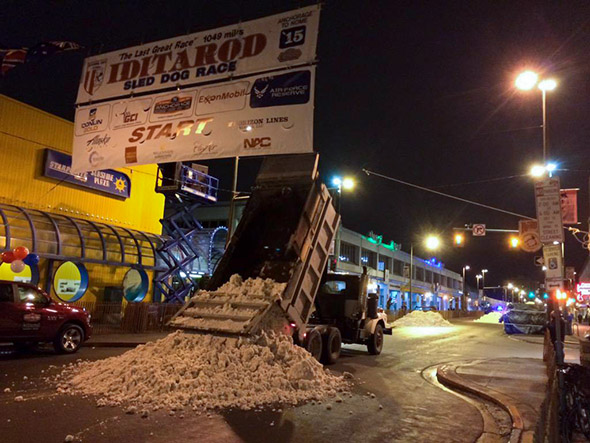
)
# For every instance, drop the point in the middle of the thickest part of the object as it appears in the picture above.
(57, 166)
(583, 291)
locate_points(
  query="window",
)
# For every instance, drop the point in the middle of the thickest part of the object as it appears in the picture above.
(428, 276)
(6, 293)
(30, 295)
(349, 253)
(368, 258)
(419, 273)
(333, 287)
(384, 263)
(398, 267)
(436, 278)
(443, 280)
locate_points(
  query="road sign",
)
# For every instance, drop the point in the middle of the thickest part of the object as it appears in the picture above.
(547, 198)
(528, 231)
(553, 283)
(539, 260)
(553, 262)
(479, 230)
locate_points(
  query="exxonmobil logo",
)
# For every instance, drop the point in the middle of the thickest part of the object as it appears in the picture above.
(257, 143)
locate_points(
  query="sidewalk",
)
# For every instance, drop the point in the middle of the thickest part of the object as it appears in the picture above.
(124, 340)
(516, 384)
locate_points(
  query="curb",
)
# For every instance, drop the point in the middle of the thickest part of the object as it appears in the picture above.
(447, 375)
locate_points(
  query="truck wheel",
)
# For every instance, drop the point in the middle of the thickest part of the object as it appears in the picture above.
(332, 345)
(69, 339)
(314, 344)
(375, 343)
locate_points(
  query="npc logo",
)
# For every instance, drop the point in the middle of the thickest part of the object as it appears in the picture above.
(288, 89)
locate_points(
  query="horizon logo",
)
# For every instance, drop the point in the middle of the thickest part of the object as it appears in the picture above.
(257, 142)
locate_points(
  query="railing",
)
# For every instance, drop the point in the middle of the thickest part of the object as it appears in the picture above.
(114, 318)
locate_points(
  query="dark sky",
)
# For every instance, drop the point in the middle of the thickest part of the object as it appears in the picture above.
(421, 91)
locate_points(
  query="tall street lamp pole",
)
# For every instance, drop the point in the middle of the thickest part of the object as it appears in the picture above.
(339, 184)
(464, 295)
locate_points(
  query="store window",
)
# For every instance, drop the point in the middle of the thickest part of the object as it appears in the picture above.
(428, 276)
(398, 267)
(419, 273)
(369, 258)
(349, 253)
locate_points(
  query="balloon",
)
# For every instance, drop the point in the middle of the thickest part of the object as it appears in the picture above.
(31, 259)
(17, 266)
(8, 257)
(20, 252)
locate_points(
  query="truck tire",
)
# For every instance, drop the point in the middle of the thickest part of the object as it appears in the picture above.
(332, 346)
(313, 344)
(375, 343)
(69, 339)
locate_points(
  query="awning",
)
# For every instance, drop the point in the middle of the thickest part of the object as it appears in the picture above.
(66, 238)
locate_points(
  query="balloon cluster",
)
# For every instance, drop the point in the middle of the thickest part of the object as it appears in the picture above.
(19, 258)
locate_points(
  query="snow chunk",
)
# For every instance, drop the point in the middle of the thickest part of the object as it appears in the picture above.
(421, 318)
(490, 317)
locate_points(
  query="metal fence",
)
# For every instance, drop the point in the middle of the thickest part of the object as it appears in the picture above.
(114, 318)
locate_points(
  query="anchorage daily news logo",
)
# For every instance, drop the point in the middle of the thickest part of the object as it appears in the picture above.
(287, 89)
(175, 104)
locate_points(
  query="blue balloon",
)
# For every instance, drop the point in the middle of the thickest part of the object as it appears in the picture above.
(31, 259)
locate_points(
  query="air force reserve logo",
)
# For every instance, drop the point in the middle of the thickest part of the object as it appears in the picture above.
(94, 75)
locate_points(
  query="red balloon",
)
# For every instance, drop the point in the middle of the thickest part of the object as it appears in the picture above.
(20, 252)
(8, 257)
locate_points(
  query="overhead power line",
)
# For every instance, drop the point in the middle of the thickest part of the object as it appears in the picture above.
(464, 200)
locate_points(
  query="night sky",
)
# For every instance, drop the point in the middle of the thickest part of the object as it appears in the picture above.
(421, 91)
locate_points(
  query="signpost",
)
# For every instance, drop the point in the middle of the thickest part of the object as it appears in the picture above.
(539, 260)
(479, 230)
(547, 197)
(528, 231)
(553, 261)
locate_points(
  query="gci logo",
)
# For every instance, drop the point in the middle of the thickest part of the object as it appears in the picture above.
(257, 143)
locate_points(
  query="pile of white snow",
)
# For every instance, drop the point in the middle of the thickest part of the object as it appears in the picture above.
(202, 371)
(490, 317)
(232, 307)
(421, 318)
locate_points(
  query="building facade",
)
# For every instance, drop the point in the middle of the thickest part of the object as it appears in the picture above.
(96, 233)
(432, 285)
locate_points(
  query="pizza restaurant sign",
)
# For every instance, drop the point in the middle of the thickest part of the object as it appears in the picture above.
(58, 166)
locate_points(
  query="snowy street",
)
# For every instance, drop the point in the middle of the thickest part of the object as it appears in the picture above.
(393, 398)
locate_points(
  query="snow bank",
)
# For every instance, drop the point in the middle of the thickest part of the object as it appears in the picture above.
(421, 318)
(202, 371)
(490, 317)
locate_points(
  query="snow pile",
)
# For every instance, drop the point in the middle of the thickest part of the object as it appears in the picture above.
(490, 317)
(185, 370)
(199, 371)
(421, 318)
(231, 308)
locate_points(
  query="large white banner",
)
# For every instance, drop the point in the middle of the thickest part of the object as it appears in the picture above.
(257, 115)
(278, 41)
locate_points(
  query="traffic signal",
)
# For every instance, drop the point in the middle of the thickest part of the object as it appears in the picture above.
(458, 240)
(514, 242)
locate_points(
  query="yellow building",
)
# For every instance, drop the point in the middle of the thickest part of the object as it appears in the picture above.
(103, 223)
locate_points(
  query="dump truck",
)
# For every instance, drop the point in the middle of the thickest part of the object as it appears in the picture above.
(285, 234)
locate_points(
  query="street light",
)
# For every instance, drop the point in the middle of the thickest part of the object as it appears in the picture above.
(464, 295)
(483, 279)
(431, 243)
(527, 81)
(347, 184)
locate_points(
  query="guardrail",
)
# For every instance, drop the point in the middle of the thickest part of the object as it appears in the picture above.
(116, 318)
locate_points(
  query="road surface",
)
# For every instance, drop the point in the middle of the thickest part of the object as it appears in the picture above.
(392, 399)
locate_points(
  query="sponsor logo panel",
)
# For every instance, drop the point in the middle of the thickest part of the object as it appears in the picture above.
(172, 106)
(94, 75)
(287, 89)
(231, 97)
(92, 119)
(130, 113)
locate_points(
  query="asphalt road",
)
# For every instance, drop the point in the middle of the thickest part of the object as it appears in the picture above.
(391, 401)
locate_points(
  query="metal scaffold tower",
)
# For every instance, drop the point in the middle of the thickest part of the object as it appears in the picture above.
(185, 188)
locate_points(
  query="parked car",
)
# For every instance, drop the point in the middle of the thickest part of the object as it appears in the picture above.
(29, 316)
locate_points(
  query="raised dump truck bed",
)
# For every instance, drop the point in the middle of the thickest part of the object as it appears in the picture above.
(285, 234)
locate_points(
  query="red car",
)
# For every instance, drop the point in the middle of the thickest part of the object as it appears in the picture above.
(29, 315)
